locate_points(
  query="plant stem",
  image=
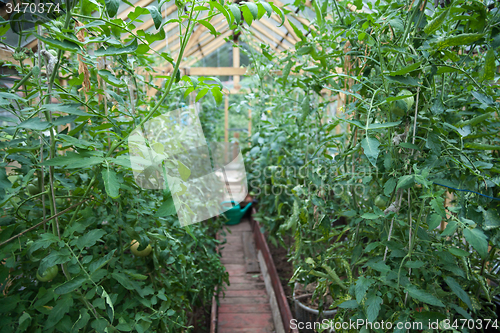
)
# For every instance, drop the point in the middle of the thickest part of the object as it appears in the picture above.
(168, 87)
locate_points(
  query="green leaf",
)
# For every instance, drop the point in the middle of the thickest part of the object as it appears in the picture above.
(183, 171)
(78, 143)
(451, 227)
(350, 304)
(201, 93)
(209, 26)
(370, 216)
(434, 220)
(112, 7)
(155, 14)
(478, 240)
(253, 9)
(480, 146)
(361, 287)
(414, 264)
(71, 285)
(405, 182)
(63, 160)
(67, 108)
(379, 266)
(62, 307)
(305, 50)
(112, 50)
(247, 15)
(90, 238)
(389, 187)
(235, 10)
(82, 321)
(384, 125)
(373, 307)
(222, 10)
(54, 258)
(491, 219)
(423, 296)
(43, 242)
(110, 310)
(85, 162)
(407, 69)
(487, 100)
(436, 22)
(458, 252)
(126, 282)
(462, 39)
(405, 80)
(217, 93)
(110, 78)
(371, 150)
(64, 45)
(455, 287)
(267, 7)
(111, 183)
(35, 123)
(100, 262)
(437, 205)
(7, 95)
(167, 208)
(282, 16)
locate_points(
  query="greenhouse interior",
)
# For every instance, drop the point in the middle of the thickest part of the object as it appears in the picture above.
(211, 166)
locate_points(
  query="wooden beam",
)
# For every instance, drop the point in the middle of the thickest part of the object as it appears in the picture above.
(291, 39)
(199, 30)
(261, 39)
(268, 36)
(215, 71)
(208, 48)
(187, 52)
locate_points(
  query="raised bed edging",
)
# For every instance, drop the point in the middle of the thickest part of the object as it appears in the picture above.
(260, 242)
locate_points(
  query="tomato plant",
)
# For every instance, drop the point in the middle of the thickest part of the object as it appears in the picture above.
(70, 202)
(399, 100)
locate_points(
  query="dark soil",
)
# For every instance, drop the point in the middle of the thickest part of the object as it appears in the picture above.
(284, 268)
(200, 319)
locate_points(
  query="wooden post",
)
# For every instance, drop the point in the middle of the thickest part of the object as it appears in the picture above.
(226, 119)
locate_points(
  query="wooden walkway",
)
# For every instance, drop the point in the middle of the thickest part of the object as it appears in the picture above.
(245, 306)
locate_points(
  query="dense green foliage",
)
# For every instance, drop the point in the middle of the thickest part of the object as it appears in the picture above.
(67, 192)
(363, 204)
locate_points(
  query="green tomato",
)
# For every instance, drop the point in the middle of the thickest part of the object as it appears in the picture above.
(401, 106)
(33, 189)
(381, 202)
(48, 275)
(58, 24)
(408, 100)
(134, 248)
(53, 52)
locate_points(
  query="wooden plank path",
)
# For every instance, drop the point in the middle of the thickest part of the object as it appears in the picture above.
(244, 307)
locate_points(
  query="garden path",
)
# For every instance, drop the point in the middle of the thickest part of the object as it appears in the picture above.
(244, 306)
